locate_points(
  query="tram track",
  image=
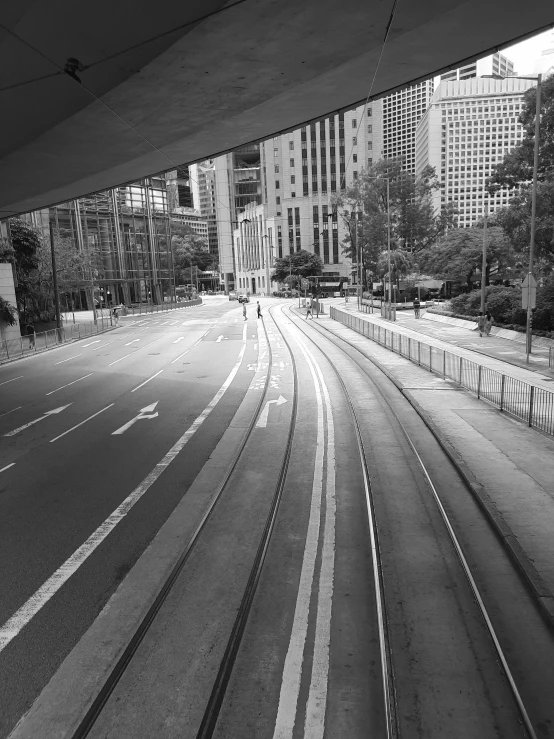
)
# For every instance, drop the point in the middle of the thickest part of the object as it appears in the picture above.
(387, 658)
(115, 676)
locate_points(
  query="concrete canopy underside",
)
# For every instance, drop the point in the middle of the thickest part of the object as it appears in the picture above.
(205, 87)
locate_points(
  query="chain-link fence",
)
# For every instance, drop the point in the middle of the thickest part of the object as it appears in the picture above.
(527, 402)
(26, 345)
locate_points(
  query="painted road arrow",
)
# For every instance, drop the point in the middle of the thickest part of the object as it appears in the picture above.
(219, 338)
(144, 413)
(262, 420)
(41, 418)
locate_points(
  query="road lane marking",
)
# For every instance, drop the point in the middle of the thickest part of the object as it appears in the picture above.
(67, 360)
(12, 380)
(144, 413)
(180, 356)
(264, 415)
(12, 410)
(132, 342)
(7, 467)
(178, 340)
(107, 343)
(91, 343)
(148, 380)
(292, 670)
(70, 383)
(219, 338)
(82, 422)
(36, 420)
(12, 627)
(120, 358)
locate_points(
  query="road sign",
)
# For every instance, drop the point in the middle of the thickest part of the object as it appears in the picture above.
(528, 295)
(305, 284)
(529, 281)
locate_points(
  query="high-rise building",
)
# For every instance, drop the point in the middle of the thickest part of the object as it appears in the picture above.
(497, 65)
(202, 178)
(401, 114)
(469, 128)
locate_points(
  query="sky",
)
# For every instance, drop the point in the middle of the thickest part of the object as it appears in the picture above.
(526, 55)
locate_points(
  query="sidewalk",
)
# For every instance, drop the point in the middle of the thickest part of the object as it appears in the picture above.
(508, 466)
(496, 353)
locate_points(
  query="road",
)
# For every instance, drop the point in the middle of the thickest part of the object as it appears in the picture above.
(322, 593)
(64, 474)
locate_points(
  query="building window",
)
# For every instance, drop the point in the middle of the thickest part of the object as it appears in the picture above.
(292, 179)
(275, 152)
(277, 185)
(293, 194)
(291, 145)
(354, 157)
(354, 140)
(355, 175)
(277, 168)
(369, 145)
(353, 123)
(292, 162)
(369, 112)
(370, 129)
(278, 200)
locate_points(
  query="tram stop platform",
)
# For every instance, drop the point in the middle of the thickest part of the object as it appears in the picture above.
(509, 466)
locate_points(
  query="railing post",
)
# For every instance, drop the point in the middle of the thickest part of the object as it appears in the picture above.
(531, 399)
(479, 383)
(419, 353)
(502, 392)
(444, 364)
(461, 367)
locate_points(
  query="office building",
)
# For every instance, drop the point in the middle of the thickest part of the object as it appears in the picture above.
(469, 128)
(401, 114)
(496, 65)
(202, 180)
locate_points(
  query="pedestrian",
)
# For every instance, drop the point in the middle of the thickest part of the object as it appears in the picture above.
(259, 309)
(115, 315)
(309, 313)
(32, 336)
(417, 306)
(481, 323)
(488, 323)
(244, 310)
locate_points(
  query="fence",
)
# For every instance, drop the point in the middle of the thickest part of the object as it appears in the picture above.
(24, 346)
(529, 403)
(138, 310)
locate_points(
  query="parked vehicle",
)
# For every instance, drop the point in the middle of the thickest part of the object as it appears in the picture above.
(232, 295)
(244, 298)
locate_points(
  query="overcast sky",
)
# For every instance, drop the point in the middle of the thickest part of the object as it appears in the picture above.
(526, 55)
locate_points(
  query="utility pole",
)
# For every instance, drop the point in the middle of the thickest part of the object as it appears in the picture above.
(55, 283)
(533, 212)
(484, 260)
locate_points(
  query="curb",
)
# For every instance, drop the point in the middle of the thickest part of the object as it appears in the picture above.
(533, 580)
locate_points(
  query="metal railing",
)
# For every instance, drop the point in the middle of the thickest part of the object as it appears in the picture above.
(24, 346)
(531, 404)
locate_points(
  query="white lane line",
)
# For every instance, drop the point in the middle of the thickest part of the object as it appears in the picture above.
(132, 342)
(11, 628)
(67, 360)
(7, 467)
(12, 410)
(12, 380)
(292, 670)
(107, 343)
(91, 343)
(82, 422)
(180, 356)
(70, 383)
(120, 358)
(148, 380)
(178, 340)
(314, 727)
(55, 411)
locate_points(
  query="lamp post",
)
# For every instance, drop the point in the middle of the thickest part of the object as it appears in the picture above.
(530, 276)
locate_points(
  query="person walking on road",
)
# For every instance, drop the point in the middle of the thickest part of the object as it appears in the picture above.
(481, 323)
(115, 315)
(244, 310)
(417, 307)
(32, 335)
(309, 313)
(258, 309)
(488, 323)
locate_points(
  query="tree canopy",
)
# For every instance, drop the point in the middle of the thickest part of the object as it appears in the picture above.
(458, 254)
(189, 249)
(300, 264)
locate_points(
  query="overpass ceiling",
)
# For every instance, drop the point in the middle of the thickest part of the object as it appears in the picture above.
(176, 82)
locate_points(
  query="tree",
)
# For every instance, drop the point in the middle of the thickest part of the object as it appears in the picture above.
(458, 255)
(300, 264)
(189, 250)
(363, 209)
(22, 252)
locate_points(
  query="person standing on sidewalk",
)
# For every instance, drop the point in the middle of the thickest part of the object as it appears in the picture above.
(115, 316)
(417, 306)
(481, 323)
(488, 323)
(309, 313)
(32, 335)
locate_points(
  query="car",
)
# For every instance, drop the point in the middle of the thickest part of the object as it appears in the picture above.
(232, 295)
(244, 298)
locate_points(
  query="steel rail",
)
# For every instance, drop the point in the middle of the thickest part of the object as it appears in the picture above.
(457, 546)
(384, 640)
(117, 672)
(211, 713)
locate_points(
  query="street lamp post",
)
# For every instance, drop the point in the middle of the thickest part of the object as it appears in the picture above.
(530, 277)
